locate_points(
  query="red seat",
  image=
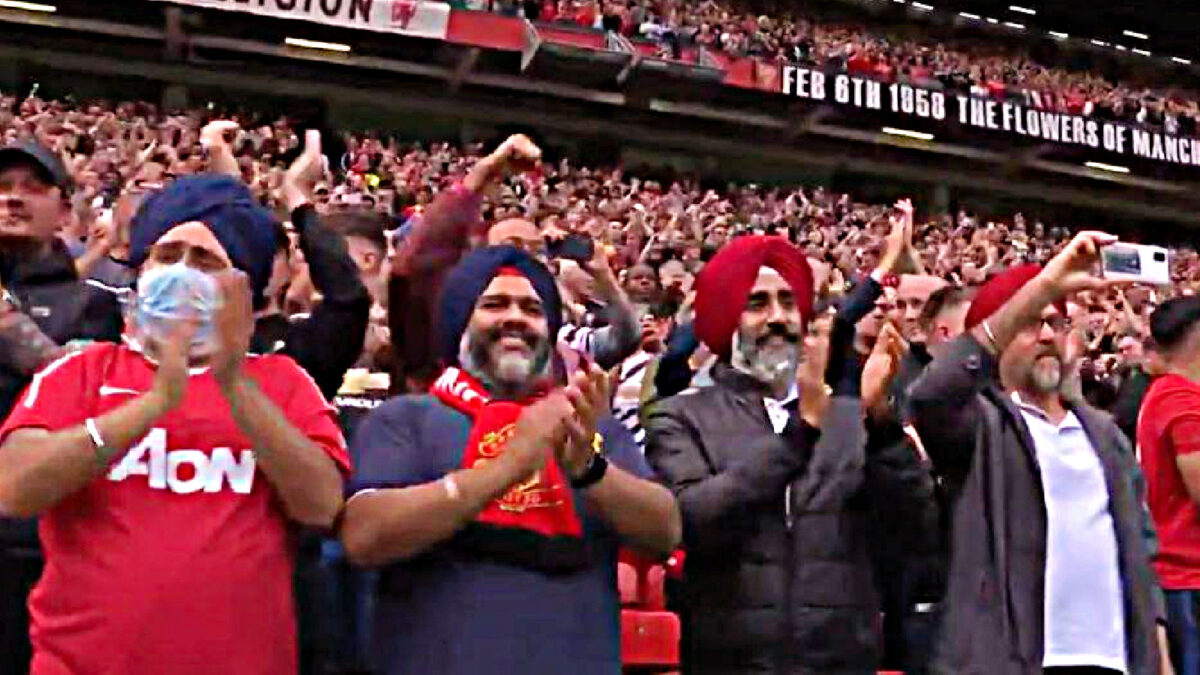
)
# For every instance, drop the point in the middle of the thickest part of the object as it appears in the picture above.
(649, 639)
(654, 591)
(627, 584)
(649, 633)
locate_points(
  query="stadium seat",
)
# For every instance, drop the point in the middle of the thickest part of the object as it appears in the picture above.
(627, 584)
(649, 634)
(653, 589)
(649, 640)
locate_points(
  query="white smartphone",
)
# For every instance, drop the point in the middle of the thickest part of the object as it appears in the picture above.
(1137, 262)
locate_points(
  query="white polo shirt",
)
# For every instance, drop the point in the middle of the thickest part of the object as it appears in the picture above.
(1084, 611)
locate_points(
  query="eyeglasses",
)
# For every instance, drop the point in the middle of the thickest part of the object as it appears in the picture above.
(1057, 323)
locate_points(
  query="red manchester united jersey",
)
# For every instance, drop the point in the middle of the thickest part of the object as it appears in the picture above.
(178, 560)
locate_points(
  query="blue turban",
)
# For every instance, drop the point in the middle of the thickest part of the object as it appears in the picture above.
(467, 280)
(245, 229)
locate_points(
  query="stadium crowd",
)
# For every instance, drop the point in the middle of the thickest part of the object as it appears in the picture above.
(805, 393)
(965, 65)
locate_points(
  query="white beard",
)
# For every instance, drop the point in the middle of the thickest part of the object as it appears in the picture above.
(512, 368)
(774, 365)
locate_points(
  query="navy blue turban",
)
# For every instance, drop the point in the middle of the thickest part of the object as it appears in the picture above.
(245, 229)
(467, 280)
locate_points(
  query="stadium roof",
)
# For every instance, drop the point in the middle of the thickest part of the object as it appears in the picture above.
(1169, 27)
(602, 92)
(1165, 30)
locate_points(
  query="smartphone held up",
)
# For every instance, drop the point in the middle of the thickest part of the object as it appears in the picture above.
(575, 247)
(1136, 262)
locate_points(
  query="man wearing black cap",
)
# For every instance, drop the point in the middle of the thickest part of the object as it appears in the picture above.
(44, 306)
(1168, 436)
(170, 471)
(496, 502)
(35, 268)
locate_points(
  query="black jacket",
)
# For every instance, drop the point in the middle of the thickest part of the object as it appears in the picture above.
(66, 309)
(328, 342)
(994, 601)
(777, 578)
(1130, 395)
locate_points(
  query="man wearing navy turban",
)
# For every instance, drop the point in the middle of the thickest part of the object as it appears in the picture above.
(495, 503)
(171, 472)
(326, 343)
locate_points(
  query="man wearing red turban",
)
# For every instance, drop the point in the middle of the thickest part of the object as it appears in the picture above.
(745, 278)
(1050, 569)
(765, 465)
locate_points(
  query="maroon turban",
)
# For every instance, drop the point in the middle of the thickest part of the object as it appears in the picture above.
(725, 282)
(999, 290)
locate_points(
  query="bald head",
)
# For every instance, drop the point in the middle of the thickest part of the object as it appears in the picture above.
(911, 296)
(517, 232)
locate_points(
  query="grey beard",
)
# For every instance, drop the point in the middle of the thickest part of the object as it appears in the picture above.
(772, 366)
(512, 377)
(1045, 378)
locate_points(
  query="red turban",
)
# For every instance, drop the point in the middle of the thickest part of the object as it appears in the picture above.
(725, 282)
(999, 290)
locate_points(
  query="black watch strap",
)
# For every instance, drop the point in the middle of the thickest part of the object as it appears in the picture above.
(596, 469)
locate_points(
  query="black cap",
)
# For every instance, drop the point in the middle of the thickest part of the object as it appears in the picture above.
(48, 163)
(1173, 320)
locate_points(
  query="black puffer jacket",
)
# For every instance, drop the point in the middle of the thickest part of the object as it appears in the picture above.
(64, 308)
(778, 578)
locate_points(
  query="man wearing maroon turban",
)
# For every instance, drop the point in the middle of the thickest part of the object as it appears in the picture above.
(743, 279)
(1050, 568)
(768, 468)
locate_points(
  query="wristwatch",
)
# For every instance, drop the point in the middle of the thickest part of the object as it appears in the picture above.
(596, 468)
(8, 301)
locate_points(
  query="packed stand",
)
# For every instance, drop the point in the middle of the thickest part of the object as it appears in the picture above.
(966, 66)
(787, 384)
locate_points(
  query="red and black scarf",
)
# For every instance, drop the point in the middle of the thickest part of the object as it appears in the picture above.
(534, 524)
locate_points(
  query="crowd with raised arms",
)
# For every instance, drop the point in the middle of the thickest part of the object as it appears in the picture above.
(533, 363)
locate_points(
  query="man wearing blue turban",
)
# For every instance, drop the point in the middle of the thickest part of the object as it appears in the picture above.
(495, 503)
(169, 471)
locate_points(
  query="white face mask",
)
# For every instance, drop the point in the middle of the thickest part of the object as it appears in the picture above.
(171, 293)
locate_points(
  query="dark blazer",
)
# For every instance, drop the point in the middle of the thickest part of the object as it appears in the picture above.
(778, 578)
(994, 602)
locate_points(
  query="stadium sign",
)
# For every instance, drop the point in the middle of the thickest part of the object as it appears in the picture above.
(419, 18)
(981, 113)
